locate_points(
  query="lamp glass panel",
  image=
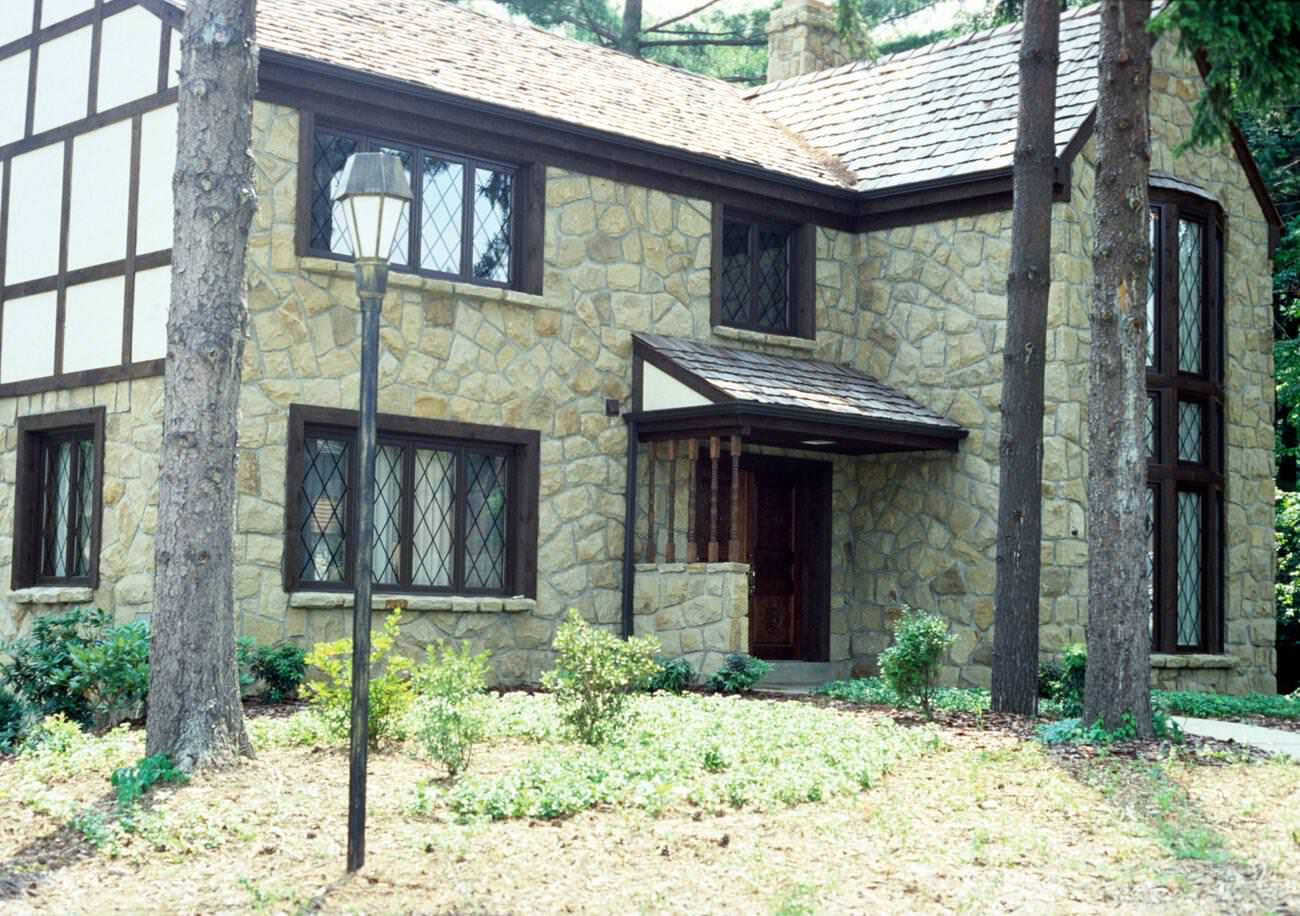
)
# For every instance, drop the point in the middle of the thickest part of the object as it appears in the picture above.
(363, 212)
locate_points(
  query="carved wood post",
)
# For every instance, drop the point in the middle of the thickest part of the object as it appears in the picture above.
(650, 511)
(670, 550)
(692, 458)
(715, 451)
(733, 548)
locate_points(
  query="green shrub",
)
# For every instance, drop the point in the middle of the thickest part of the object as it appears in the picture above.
(41, 668)
(911, 665)
(130, 783)
(245, 655)
(53, 736)
(281, 668)
(1062, 680)
(1072, 731)
(13, 721)
(593, 675)
(674, 675)
(447, 717)
(738, 674)
(1287, 589)
(112, 673)
(872, 691)
(1218, 706)
(390, 691)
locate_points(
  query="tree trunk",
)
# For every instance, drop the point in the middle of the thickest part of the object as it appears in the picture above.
(194, 710)
(1119, 644)
(629, 39)
(1020, 473)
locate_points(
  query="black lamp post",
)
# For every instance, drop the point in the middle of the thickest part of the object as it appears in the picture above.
(374, 192)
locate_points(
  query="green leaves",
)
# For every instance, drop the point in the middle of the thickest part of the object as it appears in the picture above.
(911, 665)
(738, 674)
(390, 691)
(447, 717)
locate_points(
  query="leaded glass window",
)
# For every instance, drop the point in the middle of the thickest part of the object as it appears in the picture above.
(1185, 431)
(57, 498)
(461, 222)
(754, 276)
(443, 510)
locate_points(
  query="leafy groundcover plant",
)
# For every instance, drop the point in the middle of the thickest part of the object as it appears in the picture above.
(738, 674)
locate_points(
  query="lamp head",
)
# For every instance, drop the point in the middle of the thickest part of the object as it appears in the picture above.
(374, 192)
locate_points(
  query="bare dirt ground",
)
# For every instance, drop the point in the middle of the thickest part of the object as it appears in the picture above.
(988, 822)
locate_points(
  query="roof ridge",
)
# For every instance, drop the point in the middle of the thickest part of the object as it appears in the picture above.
(943, 45)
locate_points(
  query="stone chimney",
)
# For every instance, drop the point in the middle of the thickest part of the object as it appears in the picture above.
(801, 38)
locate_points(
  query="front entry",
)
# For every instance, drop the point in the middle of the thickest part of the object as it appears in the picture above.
(785, 526)
(772, 551)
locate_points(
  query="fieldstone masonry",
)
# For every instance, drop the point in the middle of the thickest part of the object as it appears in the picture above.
(802, 38)
(921, 308)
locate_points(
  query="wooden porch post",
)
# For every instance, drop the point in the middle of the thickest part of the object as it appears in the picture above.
(733, 548)
(650, 545)
(715, 451)
(692, 458)
(670, 551)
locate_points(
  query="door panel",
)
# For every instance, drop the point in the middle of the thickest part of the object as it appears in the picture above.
(772, 549)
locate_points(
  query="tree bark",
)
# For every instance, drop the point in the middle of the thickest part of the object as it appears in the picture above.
(1020, 473)
(1119, 644)
(629, 39)
(194, 709)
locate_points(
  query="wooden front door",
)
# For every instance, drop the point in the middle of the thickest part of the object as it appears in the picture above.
(772, 549)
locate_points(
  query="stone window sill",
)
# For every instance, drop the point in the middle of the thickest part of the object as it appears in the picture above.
(1160, 660)
(693, 567)
(383, 602)
(400, 280)
(53, 594)
(757, 337)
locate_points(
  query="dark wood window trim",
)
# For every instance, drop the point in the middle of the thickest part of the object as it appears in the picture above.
(801, 277)
(522, 448)
(527, 208)
(1169, 474)
(33, 433)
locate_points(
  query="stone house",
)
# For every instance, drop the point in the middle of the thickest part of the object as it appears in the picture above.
(765, 326)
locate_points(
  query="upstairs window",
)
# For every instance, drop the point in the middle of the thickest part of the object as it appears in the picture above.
(462, 220)
(454, 510)
(763, 274)
(57, 522)
(1185, 428)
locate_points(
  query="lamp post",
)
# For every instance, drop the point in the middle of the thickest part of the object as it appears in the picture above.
(374, 192)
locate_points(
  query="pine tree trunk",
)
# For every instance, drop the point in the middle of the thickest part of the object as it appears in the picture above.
(1119, 644)
(1020, 474)
(194, 709)
(629, 39)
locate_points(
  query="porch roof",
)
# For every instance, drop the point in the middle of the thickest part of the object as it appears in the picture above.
(684, 387)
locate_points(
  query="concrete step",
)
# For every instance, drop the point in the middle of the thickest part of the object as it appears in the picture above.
(797, 675)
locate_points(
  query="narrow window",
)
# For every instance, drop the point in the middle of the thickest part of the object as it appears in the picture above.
(56, 529)
(452, 513)
(755, 277)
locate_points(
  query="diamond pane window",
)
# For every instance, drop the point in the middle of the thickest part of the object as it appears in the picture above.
(493, 201)
(1189, 568)
(1153, 428)
(754, 277)
(435, 495)
(1151, 557)
(323, 499)
(385, 557)
(56, 498)
(1190, 269)
(442, 215)
(329, 228)
(444, 509)
(485, 521)
(67, 507)
(460, 224)
(1153, 295)
(1190, 436)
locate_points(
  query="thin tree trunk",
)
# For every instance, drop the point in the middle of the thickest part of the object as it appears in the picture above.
(194, 709)
(629, 39)
(1119, 644)
(1020, 473)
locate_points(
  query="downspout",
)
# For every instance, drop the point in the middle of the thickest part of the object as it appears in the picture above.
(629, 529)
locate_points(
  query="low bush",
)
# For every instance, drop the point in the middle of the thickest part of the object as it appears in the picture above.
(911, 665)
(872, 691)
(130, 783)
(390, 690)
(594, 673)
(738, 674)
(447, 716)
(674, 675)
(13, 721)
(1062, 680)
(41, 668)
(1072, 731)
(282, 668)
(1218, 706)
(245, 655)
(112, 673)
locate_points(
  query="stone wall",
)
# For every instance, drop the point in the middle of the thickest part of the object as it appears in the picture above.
(802, 38)
(698, 611)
